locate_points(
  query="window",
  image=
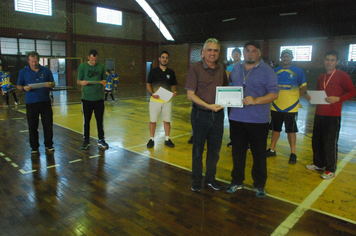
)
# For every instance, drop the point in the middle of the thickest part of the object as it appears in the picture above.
(229, 51)
(58, 48)
(352, 52)
(9, 46)
(43, 47)
(26, 45)
(108, 16)
(41, 7)
(300, 53)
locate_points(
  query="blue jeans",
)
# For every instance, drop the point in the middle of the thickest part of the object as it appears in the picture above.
(207, 126)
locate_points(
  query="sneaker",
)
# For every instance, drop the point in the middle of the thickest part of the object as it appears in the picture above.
(103, 144)
(214, 185)
(85, 145)
(34, 151)
(169, 143)
(260, 193)
(150, 143)
(229, 144)
(328, 175)
(314, 167)
(269, 153)
(196, 186)
(233, 188)
(190, 140)
(17, 103)
(292, 159)
(51, 149)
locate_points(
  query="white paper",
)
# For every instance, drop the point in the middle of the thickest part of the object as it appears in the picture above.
(317, 96)
(164, 94)
(38, 85)
(229, 96)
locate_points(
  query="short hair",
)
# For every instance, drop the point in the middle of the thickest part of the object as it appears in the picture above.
(211, 40)
(108, 71)
(33, 54)
(254, 43)
(236, 50)
(333, 53)
(93, 52)
(163, 53)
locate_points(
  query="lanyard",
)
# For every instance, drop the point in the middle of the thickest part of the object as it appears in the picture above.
(243, 74)
(327, 82)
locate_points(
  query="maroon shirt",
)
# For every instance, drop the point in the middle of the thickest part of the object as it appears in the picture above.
(340, 85)
(203, 80)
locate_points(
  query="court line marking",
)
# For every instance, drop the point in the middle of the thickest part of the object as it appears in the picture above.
(294, 217)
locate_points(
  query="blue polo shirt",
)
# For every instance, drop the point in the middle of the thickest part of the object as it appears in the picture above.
(260, 81)
(28, 76)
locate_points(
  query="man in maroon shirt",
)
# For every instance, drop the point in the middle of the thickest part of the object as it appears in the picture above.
(338, 88)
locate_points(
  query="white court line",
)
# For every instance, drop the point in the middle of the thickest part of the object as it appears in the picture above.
(23, 131)
(294, 217)
(48, 167)
(75, 160)
(2, 154)
(14, 165)
(18, 118)
(94, 156)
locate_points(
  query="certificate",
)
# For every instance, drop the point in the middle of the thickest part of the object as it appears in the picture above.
(317, 96)
(164, 94)
(229, 96)
(38, 85)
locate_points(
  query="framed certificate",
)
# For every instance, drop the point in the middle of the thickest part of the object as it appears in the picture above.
(229, 96)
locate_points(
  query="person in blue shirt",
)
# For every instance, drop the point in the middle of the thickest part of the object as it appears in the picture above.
(36, 81)
(108, 88)
(7, 87)
(115, 78)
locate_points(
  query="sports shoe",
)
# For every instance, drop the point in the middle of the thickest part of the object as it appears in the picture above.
(34, 151)
(196, 186)
(229, 144)
(292, 159)
(169, 143)
(51, 149)
(233, 188)
(17, 103)
(103, 144)
(190, 140)
(85, 145)
(269, 153)
(314, 167)
(260, 193)
(214, 185)
(328, 175)
(150, 143)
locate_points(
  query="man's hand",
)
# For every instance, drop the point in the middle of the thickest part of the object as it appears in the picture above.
(175, 94)
(83, 83)
(155, 96)
(308, 97)
(332, 99)
(249, 101)
(103, 82)
(49, 85)
(26, 88)
(214, 107)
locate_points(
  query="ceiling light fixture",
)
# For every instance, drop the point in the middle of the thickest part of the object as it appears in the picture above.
(230, 19)
(288, 14)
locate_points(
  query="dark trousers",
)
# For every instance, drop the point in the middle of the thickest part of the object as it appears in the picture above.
(208, 126)
(325, 141)
(7, 97)
(33, 110)
(87, 108)
(254, 134)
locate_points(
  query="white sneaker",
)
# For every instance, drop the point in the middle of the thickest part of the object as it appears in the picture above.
(314, 167)
(328, 175)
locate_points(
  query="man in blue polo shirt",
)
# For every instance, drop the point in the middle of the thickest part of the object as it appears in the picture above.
(37, 100)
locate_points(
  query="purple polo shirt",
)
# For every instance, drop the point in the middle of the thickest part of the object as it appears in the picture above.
(260, 81)
(203, 80)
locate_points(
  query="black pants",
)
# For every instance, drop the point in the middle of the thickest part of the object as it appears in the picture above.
(254, 134)
(87, 108)
(7, 97)
(325, 141)
(33, 110)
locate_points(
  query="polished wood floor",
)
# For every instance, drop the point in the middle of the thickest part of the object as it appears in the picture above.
(132, 190)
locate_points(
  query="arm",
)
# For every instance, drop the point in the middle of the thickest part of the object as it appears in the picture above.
(194, 98)
(150, 90)
(173, 89)
(302, 90)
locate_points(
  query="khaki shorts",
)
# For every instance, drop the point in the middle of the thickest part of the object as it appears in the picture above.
(156, 108)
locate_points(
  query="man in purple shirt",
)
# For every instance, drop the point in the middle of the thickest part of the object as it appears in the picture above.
(250, 124)
(207, 117)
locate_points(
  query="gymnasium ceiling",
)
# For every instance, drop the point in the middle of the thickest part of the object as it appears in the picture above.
(193, 21)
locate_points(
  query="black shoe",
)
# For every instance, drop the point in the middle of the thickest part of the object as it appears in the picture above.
(196, 186)
(269, 153)
(103, 144)
(190, 140)
(85, 145)
(229, 144)
(169, 143)
(214, 185)
(150, 143)
(292, 159)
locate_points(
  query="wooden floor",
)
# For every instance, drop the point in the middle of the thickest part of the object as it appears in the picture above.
(132, 190)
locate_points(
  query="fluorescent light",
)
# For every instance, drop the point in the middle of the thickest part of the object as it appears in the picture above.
(155, 19)
(230, 19)
(288, 14)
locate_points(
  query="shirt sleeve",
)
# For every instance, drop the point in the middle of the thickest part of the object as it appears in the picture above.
(20, 80)
(192, 80)
(348, 87)
(80, 72)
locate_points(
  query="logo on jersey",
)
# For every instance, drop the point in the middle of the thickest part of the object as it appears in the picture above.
(168, 76)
